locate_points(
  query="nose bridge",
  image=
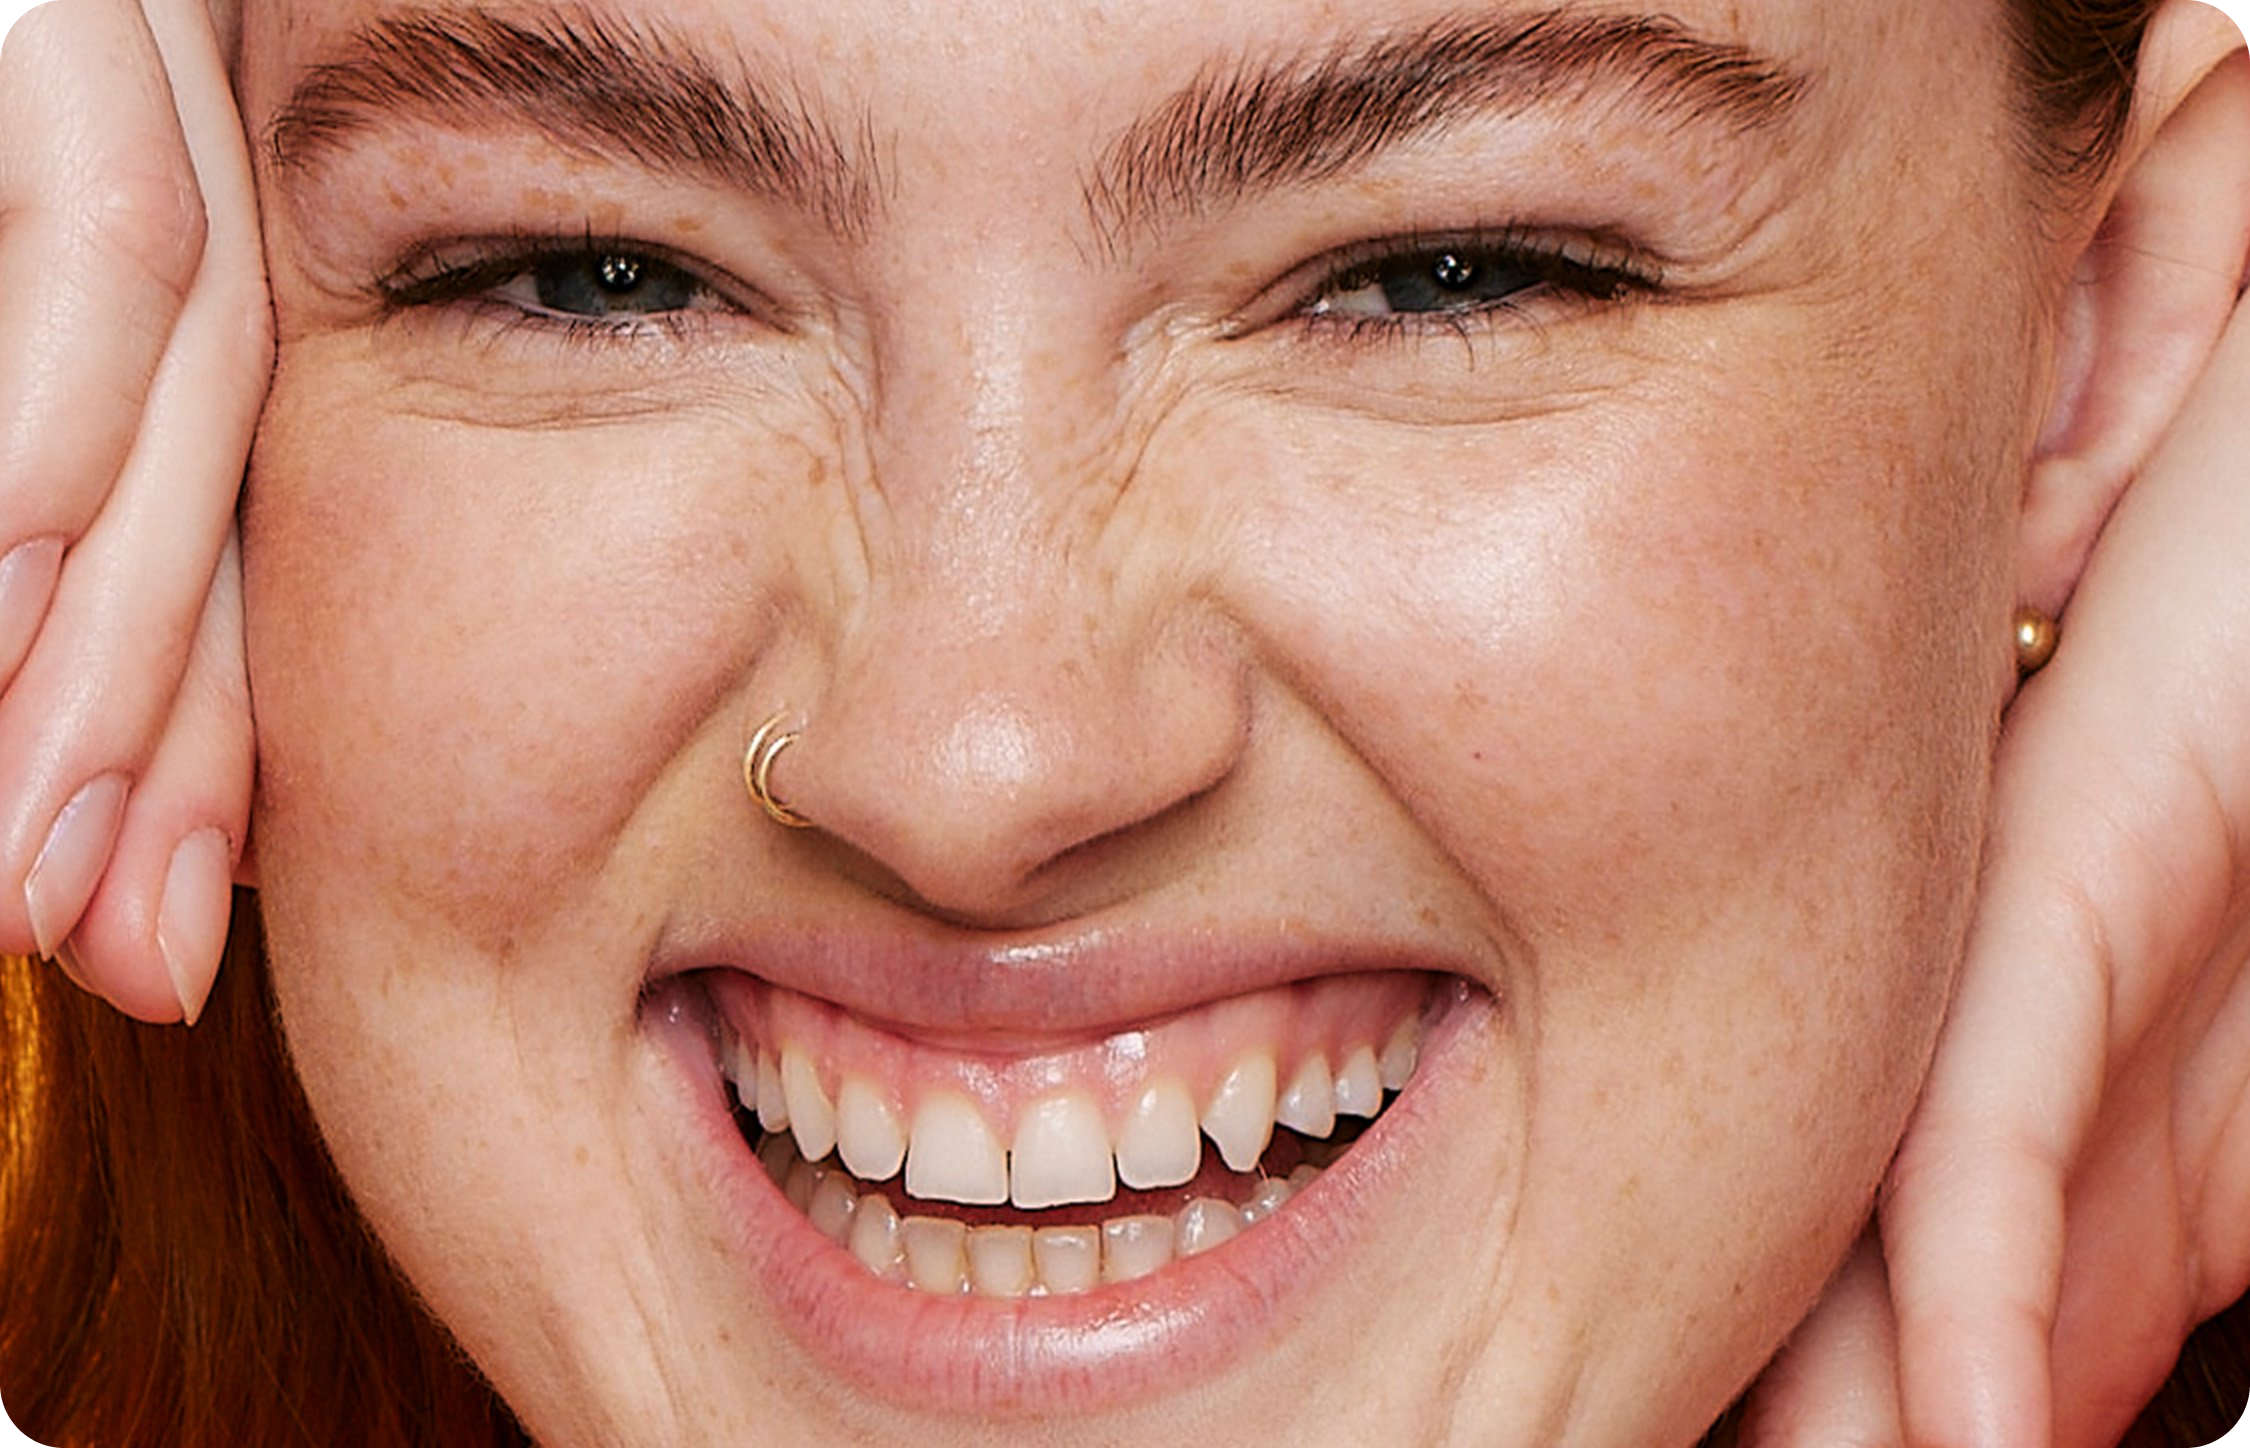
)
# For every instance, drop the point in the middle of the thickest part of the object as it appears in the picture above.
(1025, 672)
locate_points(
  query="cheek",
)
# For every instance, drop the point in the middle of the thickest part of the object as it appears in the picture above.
(1702, 698)
(431, 603)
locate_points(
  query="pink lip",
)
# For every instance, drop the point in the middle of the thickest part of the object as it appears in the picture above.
(1007, 995)
(1109, 1347)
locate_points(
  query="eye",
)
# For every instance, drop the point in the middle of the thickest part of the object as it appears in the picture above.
(582, 286)
(1449, 282)
(603, 284)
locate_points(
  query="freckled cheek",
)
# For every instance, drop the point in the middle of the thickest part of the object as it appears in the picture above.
(473, 653)
(1618, 665)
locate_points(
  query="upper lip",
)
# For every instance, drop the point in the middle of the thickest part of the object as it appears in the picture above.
(997, 992)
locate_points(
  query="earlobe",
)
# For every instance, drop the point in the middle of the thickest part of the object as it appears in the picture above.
(2152, 290)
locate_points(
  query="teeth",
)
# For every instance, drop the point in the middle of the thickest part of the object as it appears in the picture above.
(1135, 1246)
(1159, 1145)
(811, 1116)
(803, 1177)
(773, 1111)
(952, 1154)
(1061, 1153)
(1203, 1224)
(1359, 1086)
(874, 1238)
(1272, 1193)
(1401, 1053)
(947, 1257)
(1069, 1259)
(868, 1136)
(775, 1156)
(937, 1259)
(833, 1205)
(1309, 1105)
(1000, 1261)
(739, 1064)
(1239, 1119)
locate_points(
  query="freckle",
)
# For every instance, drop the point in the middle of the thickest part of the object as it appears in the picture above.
(687, 224)
(583, 1156)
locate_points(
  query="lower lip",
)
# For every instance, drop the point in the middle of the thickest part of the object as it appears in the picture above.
(1110, 1347)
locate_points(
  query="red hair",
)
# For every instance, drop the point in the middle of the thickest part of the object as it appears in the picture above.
(179, 1262)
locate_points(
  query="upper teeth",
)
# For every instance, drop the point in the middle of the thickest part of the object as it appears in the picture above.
(1063, 1149)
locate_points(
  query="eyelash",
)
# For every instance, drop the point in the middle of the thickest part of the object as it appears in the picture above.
(1568, 275)
(443, 277)
(463, 273)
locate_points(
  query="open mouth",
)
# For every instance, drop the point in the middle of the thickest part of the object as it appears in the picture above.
(961, 1194)
(1054, 1171)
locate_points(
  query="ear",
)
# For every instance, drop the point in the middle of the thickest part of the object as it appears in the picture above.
(2150, 294)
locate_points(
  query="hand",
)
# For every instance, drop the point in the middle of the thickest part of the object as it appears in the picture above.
(135, 350)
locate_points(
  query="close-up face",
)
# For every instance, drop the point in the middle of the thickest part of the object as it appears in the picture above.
(1384, 559)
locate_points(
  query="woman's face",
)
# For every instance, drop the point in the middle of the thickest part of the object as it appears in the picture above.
(1292, 537)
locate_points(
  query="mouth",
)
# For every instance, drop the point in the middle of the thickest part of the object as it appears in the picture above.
(1052, 1173)
(1041, 1219)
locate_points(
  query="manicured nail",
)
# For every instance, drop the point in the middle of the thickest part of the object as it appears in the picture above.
(70, 864)
(191, 923)
(66, 961)
(27, 585)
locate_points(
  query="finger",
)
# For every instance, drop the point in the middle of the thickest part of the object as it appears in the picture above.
(1836, 1383)
(1973, 1214)
(98, 203)
(87, 707)
(151, 938)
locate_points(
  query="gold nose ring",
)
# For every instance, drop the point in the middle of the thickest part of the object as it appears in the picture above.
(757, 770)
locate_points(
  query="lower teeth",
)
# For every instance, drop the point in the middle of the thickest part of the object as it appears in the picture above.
(948, 1256)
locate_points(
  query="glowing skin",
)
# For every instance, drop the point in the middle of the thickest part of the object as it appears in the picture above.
(1156, 636)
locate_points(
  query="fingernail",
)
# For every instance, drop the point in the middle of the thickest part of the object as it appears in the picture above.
(66, 961)
(191, 923)
(27, 584)
(70, 864)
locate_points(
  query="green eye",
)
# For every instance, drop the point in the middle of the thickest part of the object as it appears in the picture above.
(605, 284)
(1450, 280)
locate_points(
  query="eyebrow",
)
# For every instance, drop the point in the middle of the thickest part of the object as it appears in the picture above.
(1247, 128)
(592, 84)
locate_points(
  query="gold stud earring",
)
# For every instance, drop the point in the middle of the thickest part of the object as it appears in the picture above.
(2036, 636)
(757, 770)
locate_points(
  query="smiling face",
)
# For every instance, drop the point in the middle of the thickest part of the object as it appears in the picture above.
(1291, 539)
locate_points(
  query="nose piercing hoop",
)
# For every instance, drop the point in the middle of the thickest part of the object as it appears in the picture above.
(757, 770)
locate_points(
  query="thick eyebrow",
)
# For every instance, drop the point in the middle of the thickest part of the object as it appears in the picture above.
(586, 82)
(1246, 128)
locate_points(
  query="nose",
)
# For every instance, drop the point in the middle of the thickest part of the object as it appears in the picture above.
(1024, 694)
(997, 771)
